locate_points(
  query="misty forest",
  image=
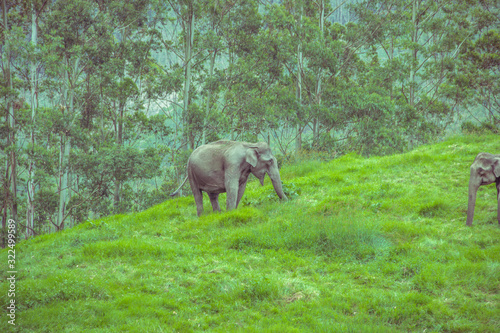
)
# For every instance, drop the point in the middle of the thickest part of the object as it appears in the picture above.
(102, 101)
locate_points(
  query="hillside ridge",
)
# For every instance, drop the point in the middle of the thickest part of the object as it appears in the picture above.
(364, 244)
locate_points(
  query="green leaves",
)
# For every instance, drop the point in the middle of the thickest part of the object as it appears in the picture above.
(114, 78)
(118, 163)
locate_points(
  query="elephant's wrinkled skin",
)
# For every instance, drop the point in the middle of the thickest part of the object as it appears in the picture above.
(484, 170)
(224, 166)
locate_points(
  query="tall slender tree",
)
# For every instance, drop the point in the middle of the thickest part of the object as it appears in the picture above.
(10, 180)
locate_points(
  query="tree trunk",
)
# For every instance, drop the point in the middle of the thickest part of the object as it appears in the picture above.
(64, 171)
(13, 166)
(318, 76)
(119, 142)
(188, 53)
(63, 180)
(391, 56)
(5, 180)
(119, 131)
(298, 138)
(209, 96)
(116, 196)
(11, 172)
(414, 51)
(31, 165)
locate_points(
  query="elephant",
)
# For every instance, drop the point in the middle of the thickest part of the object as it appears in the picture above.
(224, 166)
(484, 170)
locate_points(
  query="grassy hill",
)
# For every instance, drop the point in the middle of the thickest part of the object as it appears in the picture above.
(364, 245)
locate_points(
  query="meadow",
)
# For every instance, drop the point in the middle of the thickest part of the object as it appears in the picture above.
(363, 245)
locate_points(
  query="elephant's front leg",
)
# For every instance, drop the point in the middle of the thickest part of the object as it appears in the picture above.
(241, 190)
(214, 200)
(231, 184)
(498, 199)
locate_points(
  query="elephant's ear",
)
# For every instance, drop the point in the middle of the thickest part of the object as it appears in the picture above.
(251, 157)
(496, 168)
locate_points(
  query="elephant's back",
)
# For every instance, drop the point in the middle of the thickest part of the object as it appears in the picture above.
(213, 150)
(208, 156)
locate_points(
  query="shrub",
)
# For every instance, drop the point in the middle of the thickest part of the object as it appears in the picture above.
(469, 127)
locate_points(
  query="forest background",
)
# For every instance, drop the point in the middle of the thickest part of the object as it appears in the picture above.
(101, 101)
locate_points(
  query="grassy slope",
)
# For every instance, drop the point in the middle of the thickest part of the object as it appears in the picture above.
(367, 245)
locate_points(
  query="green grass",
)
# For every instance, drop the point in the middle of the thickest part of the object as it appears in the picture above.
(364, 245)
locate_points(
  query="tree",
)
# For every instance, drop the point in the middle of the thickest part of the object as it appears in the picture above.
(186, 12)
(477, 78)
(11, 38)
(421, 41)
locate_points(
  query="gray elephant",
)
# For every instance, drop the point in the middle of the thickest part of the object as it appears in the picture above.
(224, 166)
(484, 170)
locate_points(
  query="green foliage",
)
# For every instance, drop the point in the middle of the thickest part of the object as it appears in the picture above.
(435, 77)
(323, 143)
(478, 129)
(117, 163)
(46, 202)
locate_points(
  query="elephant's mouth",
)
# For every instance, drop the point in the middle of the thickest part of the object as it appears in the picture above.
(486, 182)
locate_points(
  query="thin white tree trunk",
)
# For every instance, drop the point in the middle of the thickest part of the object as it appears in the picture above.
(11, 162)
(414, 53)
(209, 96)
(63, 189)
(298, 138)
(31, 166)
(64, 173)
(318, 76)
(188, 50)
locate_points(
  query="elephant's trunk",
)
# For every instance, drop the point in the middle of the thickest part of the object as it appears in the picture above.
(278, 187)
(473, 187)
(498, 199)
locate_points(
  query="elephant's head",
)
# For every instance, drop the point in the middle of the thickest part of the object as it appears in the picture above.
(484, 170)
(262, 161)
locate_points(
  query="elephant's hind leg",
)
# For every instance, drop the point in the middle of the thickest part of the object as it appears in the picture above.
(198, 198)
(214, 200)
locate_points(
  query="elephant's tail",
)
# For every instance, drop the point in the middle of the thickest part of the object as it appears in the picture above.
(177, 191)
